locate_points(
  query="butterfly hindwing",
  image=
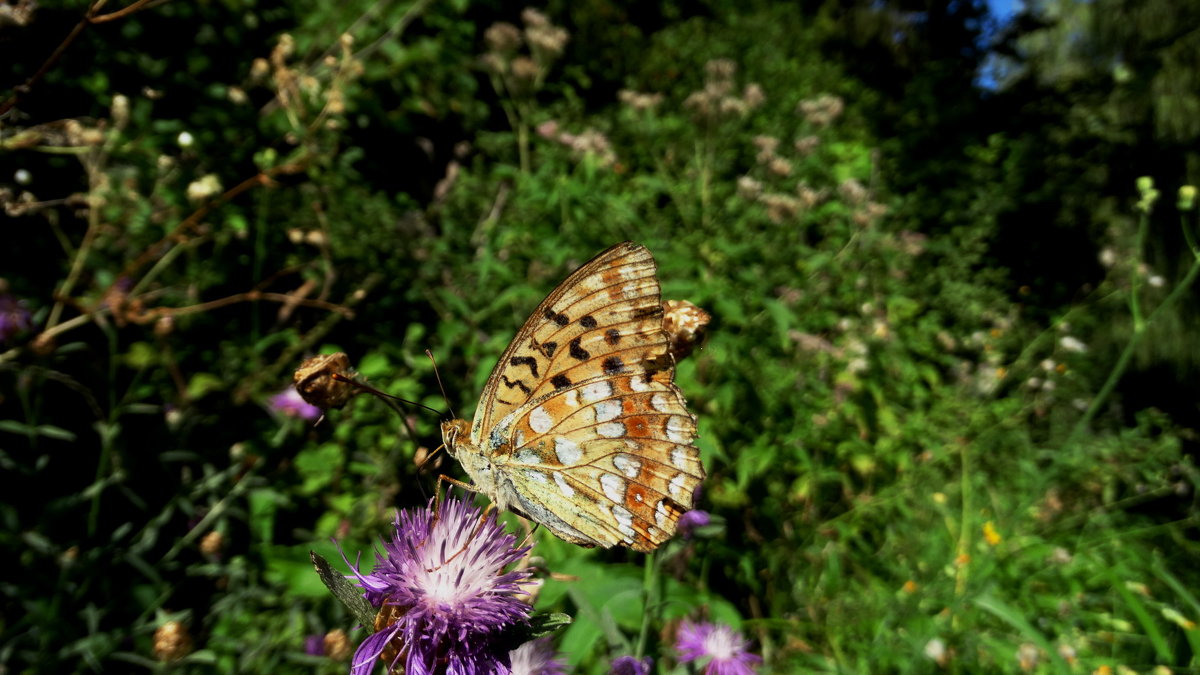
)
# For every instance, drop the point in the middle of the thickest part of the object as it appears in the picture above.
(624, 443)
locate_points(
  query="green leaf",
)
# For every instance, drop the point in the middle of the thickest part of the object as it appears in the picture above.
(13, 426)
(347, 593)
(202, 384)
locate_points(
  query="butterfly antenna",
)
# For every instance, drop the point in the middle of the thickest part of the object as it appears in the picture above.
(439, 381)
(383, 395)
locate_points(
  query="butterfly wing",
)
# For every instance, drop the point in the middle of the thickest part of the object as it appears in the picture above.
(606, 315)
(609, 460)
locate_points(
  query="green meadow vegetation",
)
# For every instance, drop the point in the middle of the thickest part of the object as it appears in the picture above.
(946, 401)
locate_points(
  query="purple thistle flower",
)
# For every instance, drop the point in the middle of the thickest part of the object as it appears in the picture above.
(14, 317)
(691, 520)
(725, 647)
(628, 665)
(314, 645)
(439, 579)
(289, 404)
(536, 657)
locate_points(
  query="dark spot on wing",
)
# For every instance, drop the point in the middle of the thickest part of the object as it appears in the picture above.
(613, 365)
(612, 336)
(588, 321)
(560, 319)
(578, 352)
(518, 384)
(526, 361)
(560, 381)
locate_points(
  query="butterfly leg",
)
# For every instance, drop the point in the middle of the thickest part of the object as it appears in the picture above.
(443, 478)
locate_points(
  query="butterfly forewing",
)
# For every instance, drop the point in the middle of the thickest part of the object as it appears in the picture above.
(580, 426)
(607, 310)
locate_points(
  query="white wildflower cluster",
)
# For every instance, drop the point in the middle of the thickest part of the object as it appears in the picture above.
(638, 100)
(718, 100)
(516, 73)
(313, 95)
(822, 110)
(589, 142)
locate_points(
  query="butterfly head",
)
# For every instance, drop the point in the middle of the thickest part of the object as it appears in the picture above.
(455, 434)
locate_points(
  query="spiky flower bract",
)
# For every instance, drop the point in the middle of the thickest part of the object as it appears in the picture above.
(725, 648)
(536, 657)
(440, 583)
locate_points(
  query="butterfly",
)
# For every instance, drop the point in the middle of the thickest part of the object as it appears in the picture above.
(580, 427)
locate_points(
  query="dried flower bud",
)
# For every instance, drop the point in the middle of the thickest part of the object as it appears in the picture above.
(493, 63)
(781, 207)
(316, 385)
(720, 69)
(748, 188)
(547, 41)
(502, 37)
(120, 111)
(164, 326)
(807, 144)
(259, 69)
(204, 188)
(337, 645)
(684, 323)
(852, 191)
(212, 543)
(524, 73)
(638, 100)
(534, 18)
(753, 95)
(172, 641)
(780, 167)
(822, 110)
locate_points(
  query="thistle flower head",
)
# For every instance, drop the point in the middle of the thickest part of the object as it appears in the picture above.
(690, 521)
(725, 648)
(441, 585)
(14, 317)
(629, 665)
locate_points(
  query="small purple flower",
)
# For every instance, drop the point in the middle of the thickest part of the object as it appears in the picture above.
(691, 520)
(289, 404)
(14, 317)
(628, 665)
(314, 645)
(725, 648)
(441, 579)
(536, 657)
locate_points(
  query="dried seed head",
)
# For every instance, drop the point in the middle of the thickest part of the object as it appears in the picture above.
(502, 37)
(172, 641)
(212, 543)
(337, 645)
(315, 382)
(684, 323)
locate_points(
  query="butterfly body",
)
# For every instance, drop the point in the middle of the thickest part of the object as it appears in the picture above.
(580, 427)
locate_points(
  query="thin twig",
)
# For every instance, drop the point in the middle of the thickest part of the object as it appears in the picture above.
(249, 296)
(89, 18)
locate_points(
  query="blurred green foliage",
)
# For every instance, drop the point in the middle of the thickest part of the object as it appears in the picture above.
(945, 403)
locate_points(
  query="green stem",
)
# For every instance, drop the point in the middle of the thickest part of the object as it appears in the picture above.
(649, 599)
(1139, 331)
(964, 528)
